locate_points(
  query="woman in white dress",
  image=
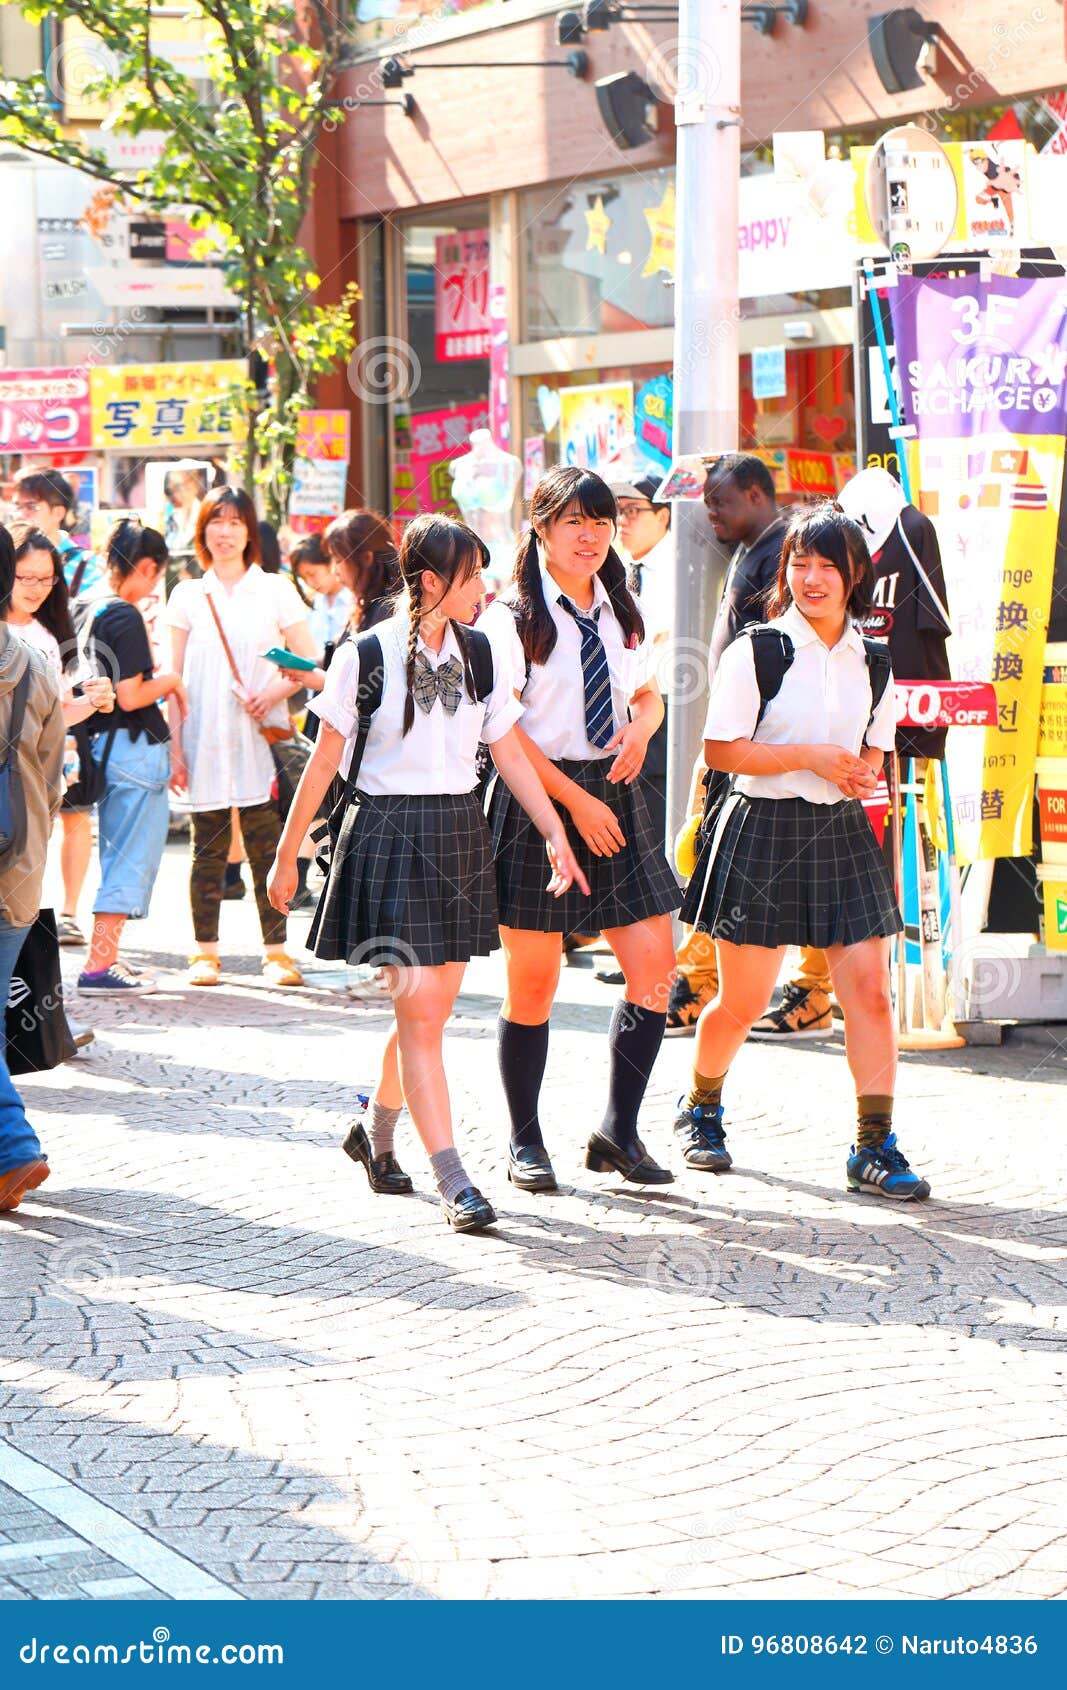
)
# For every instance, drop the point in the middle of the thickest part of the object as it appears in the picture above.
(221, 754)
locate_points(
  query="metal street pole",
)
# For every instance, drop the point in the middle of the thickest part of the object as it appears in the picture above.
(707, 114)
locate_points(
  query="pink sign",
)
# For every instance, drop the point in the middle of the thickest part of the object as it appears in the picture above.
(44, 410)
(499, 366)
(461, 295)
(426, 444)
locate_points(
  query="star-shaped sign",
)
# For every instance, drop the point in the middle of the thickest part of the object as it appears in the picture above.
(660, 219)
(597, 223)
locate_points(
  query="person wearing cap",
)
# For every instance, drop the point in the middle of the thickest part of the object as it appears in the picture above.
(740, 500)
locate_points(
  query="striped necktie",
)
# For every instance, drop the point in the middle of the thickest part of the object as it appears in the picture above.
(596, 676)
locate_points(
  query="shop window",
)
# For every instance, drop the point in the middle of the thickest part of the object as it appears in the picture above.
(446, 292)
(599, 256)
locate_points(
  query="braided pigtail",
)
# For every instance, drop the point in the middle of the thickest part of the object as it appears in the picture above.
(414, 618)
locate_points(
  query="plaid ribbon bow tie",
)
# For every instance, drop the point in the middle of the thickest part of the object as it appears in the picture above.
(442, 682)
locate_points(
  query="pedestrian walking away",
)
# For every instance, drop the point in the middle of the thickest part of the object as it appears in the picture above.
(31, 763)
(574, 638)
(790, 857)
(411, 887)
(221, 755)
(131, 751)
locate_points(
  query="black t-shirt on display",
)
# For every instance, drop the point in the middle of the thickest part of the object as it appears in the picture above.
(118, 648)
(905, 615)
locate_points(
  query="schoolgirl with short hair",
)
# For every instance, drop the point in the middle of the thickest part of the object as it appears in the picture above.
(792, 858)
(411, 886)
(575, 640)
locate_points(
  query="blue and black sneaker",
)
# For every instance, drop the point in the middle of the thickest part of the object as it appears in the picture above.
(885, 1172)
(700, 1133)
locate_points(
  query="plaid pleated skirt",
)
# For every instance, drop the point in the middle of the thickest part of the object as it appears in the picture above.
(411, 884)
(630, 886)
(783, 871)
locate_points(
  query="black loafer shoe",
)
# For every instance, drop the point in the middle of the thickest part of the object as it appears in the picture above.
(529, 1169)
(468, 1211)
(633, 1161)
(384, 1173)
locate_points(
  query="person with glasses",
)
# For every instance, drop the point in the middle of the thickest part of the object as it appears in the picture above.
(132, 747)
(43, 499)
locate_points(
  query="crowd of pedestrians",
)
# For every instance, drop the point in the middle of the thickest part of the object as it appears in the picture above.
(491, 777)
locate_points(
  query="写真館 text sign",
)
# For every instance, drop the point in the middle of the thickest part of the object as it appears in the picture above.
(161, 405)
(44, 410)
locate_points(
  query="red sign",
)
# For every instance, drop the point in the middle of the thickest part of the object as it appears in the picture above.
(44, 411)
(946, 704)
(1053, 807)
(461, 295)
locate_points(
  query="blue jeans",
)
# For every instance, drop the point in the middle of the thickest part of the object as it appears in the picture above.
(19, 1143)
(133, 818)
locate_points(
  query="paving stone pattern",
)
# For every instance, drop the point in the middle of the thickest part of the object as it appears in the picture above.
(756, 1385)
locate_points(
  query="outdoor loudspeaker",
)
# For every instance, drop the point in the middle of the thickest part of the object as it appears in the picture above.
(896, 39)
(627, 106)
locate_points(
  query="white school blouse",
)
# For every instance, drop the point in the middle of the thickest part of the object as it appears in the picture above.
(228, 760)
(440, 753)
(824, 699)
(553, 698)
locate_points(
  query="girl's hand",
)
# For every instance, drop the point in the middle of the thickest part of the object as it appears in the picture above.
(179, 774)
(834, 764)
(313, 679)
(177, 692)
(100, 693)
(632, 745)
(597, 825)
(281, 884)
(565, 870)
(862, 786)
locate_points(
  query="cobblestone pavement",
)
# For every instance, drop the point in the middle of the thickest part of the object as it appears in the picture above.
(755, 1385)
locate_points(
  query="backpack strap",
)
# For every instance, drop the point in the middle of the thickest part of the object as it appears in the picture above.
(371, 664)
(19, 699)
(772, 655)
(478, 657)
(879, 673)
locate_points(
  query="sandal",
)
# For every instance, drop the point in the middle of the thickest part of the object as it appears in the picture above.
(281, 970)
(204, 970)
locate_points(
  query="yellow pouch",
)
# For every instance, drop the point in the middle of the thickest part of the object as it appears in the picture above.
(685, 847)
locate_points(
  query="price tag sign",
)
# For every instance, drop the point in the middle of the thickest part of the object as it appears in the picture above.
(946, 704)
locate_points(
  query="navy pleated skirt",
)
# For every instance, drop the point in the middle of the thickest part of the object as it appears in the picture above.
(783, 871)
(411, 884)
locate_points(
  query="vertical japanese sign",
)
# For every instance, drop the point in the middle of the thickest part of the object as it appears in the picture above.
(462, 328)
(160, 405)
(982, 368)
(44, 411)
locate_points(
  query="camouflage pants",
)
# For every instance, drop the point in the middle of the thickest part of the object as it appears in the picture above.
(261, 829)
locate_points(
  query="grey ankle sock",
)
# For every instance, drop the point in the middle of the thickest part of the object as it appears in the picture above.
(381, 1127)
(450, 1174)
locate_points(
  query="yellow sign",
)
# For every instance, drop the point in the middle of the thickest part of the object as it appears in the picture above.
(167, 405)
(596, 423)
(661, 219)
(597, 223)
(1052, 741)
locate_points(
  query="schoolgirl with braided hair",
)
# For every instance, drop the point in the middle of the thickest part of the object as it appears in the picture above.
(575, 639)
(411, 887)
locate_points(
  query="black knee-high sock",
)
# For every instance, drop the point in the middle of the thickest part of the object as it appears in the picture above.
(522, 1053)
(636, 1035)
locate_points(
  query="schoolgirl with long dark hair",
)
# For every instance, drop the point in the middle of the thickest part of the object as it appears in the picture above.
(411, 887)
(575, 640)
(792, 858)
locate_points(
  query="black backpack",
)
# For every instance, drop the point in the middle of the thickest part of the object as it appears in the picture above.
(478, 666)
(13, 820)
(772, 654)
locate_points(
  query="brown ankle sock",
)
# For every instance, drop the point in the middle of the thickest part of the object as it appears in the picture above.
(875, 1112)
(706, 1091)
